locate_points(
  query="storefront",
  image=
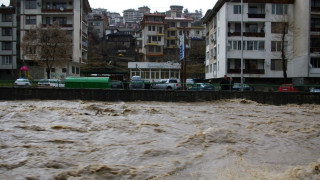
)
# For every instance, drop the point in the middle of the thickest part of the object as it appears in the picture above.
(153, 71)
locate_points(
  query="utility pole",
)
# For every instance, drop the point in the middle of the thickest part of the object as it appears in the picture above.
(242, 46)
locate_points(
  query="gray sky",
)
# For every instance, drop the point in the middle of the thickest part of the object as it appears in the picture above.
(154, 5)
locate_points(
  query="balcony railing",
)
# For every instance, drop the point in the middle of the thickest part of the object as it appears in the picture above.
(56, 10)
(246, 71)
(256, 15)
(254, 34)
(315, 49)
(315, 9)
(314, 29)
(247, 34)
(61, 25)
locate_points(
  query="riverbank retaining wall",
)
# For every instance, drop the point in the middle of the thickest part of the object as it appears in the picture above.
(274, 98)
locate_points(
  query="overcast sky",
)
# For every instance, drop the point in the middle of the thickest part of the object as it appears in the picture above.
(154, 5)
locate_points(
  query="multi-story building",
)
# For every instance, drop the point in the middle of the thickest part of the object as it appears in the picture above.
(175, 11)
(8, 27)
(261, 36)
(263, 22)
(306, 54)
(135, 15)
(153, 29)
(71, 16)
(98, 24)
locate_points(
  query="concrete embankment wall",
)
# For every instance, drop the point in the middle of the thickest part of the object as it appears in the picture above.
(275, 98)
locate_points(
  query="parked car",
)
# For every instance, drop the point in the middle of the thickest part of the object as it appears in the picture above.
(22, 83)
(315, 89)
(50, 83)
(115, 84)
(201, 87)
(246, 87)
(136, 83)
(287, 88)
(169, 84)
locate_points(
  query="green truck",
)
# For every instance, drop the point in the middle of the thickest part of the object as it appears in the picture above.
(87, 82)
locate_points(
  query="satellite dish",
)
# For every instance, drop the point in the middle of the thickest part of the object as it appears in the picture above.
(61, 9)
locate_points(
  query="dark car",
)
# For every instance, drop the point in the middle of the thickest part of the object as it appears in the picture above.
(246, 87)
(136, 83)
(201, 87)
(114, 84)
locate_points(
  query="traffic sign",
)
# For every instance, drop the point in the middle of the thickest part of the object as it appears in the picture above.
(181, 47)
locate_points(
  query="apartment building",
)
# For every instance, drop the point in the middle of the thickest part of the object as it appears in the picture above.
(8, 37)
(71, 16)
(153, 37)
(98, 24)
(306, 57)
(261, 39)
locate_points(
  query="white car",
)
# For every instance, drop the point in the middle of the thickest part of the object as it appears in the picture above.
(50, 83)
(22, 83)
(315, 89)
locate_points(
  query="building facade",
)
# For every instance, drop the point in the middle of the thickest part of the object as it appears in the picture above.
(8, 37)
(266, 27)
(98, 24)
(71, 16)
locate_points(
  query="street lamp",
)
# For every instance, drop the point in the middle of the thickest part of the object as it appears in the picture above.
(242, 46)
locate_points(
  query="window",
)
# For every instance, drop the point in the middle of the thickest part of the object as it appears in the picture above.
(276, 46)
(64, 70)
(159, 29)
(253, 10)
(31, 20)
(6, 31)
(77, 70)
(158, 48)
(151, 48)
(237, 27)
(279, 9)
(252, 27)
(254, 45)
(237, 9)
(6, 45)
(6, 17)
(315, 62)
(31, 4)
(6, 60)
(61, 20)
(73, 70)
(234, 45)
(183, 24)
(276, 64)
(171, 24)
(59, 5)
(279, 27)
(151, 28)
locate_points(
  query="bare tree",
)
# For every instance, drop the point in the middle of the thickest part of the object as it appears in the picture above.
(284, 28)
(49, 46)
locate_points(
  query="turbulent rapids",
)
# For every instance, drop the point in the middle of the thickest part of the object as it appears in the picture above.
(229, 139)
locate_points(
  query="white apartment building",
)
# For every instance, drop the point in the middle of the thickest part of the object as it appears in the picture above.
(261, 39)
(71, 16)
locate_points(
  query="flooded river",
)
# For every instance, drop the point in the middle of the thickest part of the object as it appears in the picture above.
(230, 139)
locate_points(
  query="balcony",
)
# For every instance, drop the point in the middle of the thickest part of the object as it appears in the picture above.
(61, 10)
(254, 34)
(315, 9)
(247, 34)
(246, 71)
(315, 49)
(61, 25)
(234, 33)
(256, 15)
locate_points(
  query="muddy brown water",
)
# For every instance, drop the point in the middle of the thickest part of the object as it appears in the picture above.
(229, 139)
